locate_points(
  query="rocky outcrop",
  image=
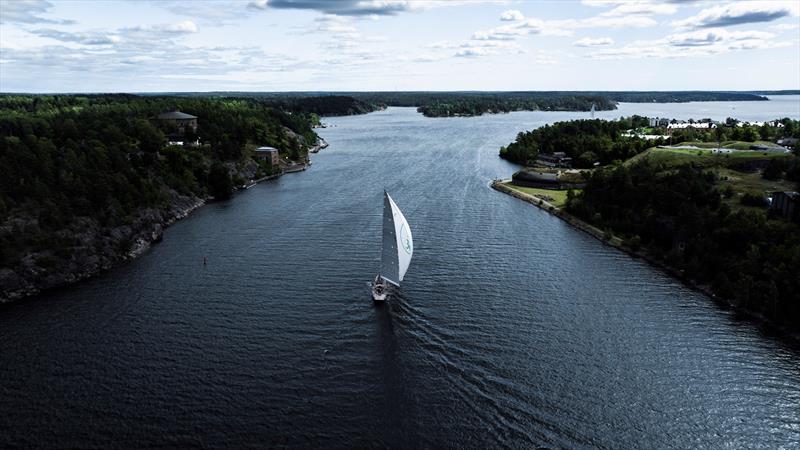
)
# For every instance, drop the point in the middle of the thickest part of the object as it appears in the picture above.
(321, 143)
(92, 247)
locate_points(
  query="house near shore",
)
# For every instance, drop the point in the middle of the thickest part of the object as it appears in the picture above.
(543, 180)
(180, 120)
(180, 123)
(555, 159)
(268, 154)
(785, 204)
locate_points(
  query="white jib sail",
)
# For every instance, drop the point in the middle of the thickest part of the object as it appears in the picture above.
(397, 246)
(405, 243)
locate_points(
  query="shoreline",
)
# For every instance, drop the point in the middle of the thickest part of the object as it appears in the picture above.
(142, 240)
(618, 243)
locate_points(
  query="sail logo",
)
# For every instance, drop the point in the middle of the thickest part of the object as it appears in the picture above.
(405, 239)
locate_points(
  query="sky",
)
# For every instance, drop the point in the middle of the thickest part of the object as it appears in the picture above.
(397, 45)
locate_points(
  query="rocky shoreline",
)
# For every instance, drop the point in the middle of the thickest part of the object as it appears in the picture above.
(619, 243)
(98, 248)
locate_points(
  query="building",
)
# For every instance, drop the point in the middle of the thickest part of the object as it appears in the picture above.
(785, 205)
(788, 142)
(555, 159)
(268, 154)
(544, 180)
(696, 125)
(181, 122)
(659, 122)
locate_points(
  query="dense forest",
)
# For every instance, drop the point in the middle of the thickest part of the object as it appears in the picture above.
(321, 104)
(586, 141)
(81, 175)
(678, 216)
(590, 141)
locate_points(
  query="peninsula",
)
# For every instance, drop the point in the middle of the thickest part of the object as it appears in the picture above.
(718, 208)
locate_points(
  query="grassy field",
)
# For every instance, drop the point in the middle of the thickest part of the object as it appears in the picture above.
(734, 145)
(555, 198)
(749, 183)
(671, 157)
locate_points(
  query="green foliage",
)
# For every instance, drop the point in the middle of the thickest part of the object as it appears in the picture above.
(104, 157)
(586, 141)
(220, 184)
(678, 213)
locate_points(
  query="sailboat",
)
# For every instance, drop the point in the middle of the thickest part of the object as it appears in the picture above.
(396, 250)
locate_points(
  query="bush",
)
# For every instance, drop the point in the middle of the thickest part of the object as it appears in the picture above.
(220, 184)
(749, 199)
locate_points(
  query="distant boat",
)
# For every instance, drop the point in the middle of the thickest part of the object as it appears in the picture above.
(396, 250)
(593, 110)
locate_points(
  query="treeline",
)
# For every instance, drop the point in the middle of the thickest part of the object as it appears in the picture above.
(102, 158)
(678, 216)
(476, 106)
(447, 104)
(586, 141)
(320, 104)
(681, 96)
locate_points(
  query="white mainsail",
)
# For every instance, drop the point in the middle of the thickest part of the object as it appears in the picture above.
(398, 245)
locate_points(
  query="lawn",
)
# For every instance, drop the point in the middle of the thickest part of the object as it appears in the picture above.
(555, 198)
(671, 157)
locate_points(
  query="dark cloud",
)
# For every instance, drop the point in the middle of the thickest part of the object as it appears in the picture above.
(739, 13)
(339, 7)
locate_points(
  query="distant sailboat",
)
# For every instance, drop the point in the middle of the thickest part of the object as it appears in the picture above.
(593, 109)
(396, 251)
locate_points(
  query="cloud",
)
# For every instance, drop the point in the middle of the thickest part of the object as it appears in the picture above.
(186, 26)
(715, 35)
(145, 35)
(637, 8)
(364, 8)
(27, 11)
(486, 48)
(85, 38)
(594, 42)
(738, 13)
(693, 44)
(504, 33)
(511, 15)
(339, 7)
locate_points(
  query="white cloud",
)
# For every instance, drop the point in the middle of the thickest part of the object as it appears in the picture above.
(714, 35)
(637, 8)
(693, 44)
(485, 48)
(594, 42)
(738, 13)
(186, 26)
(27, 11)
(84, 38)
(511, 15)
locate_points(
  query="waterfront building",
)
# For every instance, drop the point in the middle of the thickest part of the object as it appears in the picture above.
(268, 154)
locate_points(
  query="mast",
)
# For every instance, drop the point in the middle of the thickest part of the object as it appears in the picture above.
(390, 268)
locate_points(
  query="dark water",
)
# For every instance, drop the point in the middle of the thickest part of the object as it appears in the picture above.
(512, 329)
